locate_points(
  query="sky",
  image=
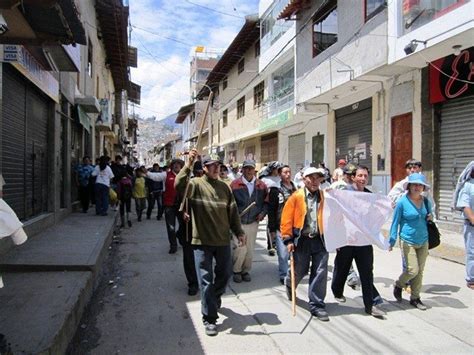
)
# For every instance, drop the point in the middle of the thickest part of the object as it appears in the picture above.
(165, 32)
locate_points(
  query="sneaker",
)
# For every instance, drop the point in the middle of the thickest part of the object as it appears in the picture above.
(397, 293)
(271, 252)
(377, 312)
(211, 329)
(341, 299)
(321, 314)
(173, 250)
(418, 304)
(246, 277)
(470, 285)
(237, 277)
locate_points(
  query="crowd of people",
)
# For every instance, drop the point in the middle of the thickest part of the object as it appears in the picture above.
(213, 211)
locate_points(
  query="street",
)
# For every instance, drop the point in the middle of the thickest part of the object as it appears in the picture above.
(141, 307)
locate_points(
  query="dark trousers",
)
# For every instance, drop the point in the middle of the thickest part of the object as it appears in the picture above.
(311, 252)
(158, 197)
(85, 197)
(188, 253)
(364, 259)
(171, 216)
(102, 198)
(212, 282)
(140, 205)
(125, 205)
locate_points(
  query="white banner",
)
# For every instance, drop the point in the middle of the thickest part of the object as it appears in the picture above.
(355, 218)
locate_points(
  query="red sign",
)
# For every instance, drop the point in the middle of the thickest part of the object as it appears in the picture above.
(452, 77)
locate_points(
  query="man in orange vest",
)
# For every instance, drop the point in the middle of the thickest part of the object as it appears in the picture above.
(302, 232)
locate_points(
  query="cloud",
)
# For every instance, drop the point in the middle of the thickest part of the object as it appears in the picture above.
(164, 32)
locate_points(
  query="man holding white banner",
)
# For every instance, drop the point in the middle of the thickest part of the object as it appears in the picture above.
(352, 222)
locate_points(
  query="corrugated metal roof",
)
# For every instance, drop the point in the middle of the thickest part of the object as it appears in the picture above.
(183, 112)
(293, 7)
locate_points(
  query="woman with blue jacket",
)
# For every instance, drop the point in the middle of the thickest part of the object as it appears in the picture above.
(409, 222)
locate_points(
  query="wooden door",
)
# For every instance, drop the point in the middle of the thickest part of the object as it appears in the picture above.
(402, 145)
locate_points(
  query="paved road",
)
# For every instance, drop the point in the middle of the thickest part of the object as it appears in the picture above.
(146, 309)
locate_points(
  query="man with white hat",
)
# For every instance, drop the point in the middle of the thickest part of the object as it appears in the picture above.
(302, 232)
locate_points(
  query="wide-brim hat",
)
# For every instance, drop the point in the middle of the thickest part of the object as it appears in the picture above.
(311, 170)
(416, 178)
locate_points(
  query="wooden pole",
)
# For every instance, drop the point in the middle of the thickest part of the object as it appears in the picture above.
(181, 207)
(247, 209)
(293, 284)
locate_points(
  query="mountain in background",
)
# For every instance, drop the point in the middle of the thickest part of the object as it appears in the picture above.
(169, 122)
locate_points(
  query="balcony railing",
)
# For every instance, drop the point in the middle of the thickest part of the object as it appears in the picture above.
(275, 105)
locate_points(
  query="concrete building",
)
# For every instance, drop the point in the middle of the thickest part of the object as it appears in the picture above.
(363, 94)
(64, 83)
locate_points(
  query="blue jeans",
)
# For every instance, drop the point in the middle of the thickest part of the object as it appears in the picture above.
(311, 251)
(101, 198)
(283, 255)
(469, 243)
(212, 282)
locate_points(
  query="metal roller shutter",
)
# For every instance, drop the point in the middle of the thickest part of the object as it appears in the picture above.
(354, 134)
(296, 148)
(456, 151)
(14, 141)
(24, 145)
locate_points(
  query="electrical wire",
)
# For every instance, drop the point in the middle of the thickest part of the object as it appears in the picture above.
(213, 10)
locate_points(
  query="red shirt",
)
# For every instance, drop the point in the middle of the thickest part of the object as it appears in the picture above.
(169, 196)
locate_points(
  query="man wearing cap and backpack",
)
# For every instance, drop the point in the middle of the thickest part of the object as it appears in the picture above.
(214, 215)
(247, 189)
(338, 174)
(302, 232)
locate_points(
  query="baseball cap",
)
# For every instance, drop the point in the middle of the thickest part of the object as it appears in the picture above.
(311, 171)
(248, 163)
(349, 169)
(341, 161)
(211, 159)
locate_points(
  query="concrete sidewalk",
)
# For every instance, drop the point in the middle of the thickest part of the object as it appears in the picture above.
(48, 282)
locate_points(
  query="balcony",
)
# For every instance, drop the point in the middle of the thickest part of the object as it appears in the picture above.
(277, 110)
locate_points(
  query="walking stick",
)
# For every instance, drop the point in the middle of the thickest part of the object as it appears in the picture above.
(181, 207)
(293, 285)
(247, 209)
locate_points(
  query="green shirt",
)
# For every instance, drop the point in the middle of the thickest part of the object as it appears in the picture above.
(214, 211)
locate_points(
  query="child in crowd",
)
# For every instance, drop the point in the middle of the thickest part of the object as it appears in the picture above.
(139, 191)
(124, 193)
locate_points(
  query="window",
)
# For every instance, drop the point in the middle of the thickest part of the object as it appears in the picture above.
(224, 83)
(272, 29)
(325, 30)
(258, 94)
(241, 107)
(89, 58)
(224, 118)
(373, 7)
(257, 49)
(416, 14)
(241, 66)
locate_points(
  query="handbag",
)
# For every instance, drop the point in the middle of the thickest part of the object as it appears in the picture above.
(434, 237)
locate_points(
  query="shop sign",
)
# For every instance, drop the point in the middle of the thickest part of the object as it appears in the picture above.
(27, 65)
(276, 120)
(450, 76)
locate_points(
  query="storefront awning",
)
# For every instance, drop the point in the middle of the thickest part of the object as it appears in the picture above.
(84, 119)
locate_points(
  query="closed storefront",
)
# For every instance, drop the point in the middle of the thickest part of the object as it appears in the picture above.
(269, 148)
(456, 151)
(296, 149)
(453, 98)
(354, 133)
(25, 164)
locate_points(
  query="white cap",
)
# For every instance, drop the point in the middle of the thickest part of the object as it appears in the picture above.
(311, 171)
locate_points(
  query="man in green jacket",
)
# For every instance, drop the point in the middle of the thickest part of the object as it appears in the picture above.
(214, 216)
